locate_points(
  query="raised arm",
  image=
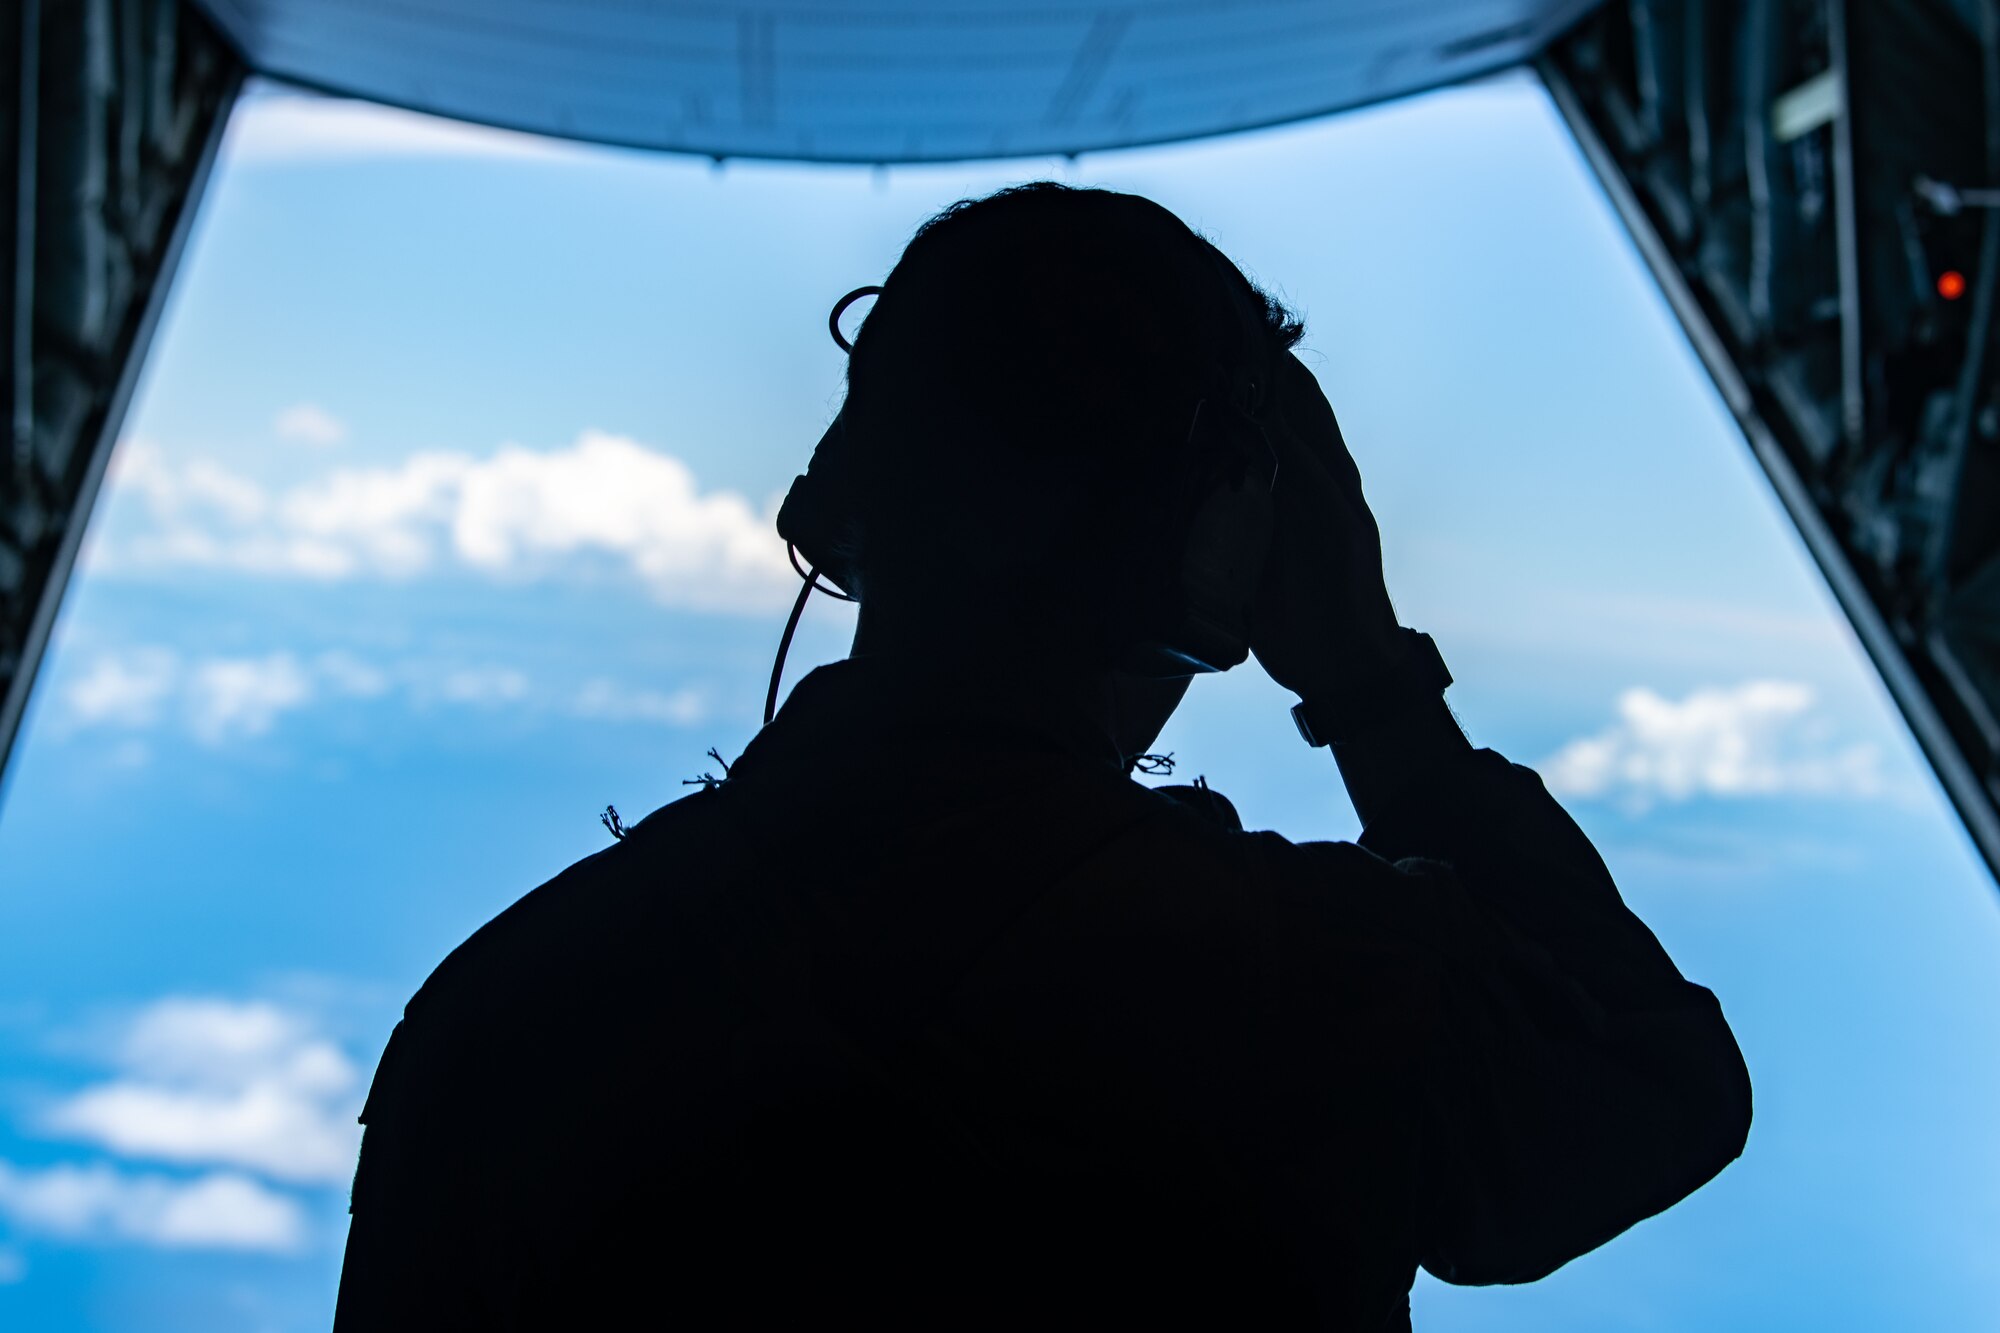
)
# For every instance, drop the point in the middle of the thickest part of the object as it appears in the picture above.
(1577, 1082)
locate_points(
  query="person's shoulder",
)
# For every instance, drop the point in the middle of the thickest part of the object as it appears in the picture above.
(579, 921)
(1322, 890)
(1197, 814)
(1192, 837)
(568, 977)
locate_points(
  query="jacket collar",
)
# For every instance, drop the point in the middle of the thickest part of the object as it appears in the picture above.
(874, 710)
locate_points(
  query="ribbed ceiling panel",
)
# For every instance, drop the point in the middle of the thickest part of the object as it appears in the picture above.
(888, 80)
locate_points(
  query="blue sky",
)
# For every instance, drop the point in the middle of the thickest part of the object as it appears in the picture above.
(442, 519)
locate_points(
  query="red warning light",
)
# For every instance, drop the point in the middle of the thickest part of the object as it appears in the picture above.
(1951, 284)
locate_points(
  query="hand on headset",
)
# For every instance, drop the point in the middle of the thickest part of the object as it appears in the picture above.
(1322, 620)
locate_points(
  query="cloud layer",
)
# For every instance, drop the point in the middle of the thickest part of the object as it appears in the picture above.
(1759, 738)
(243, 1101)
(98, 1202)
(211, 1082)
(309, 423)
(604, 502)
(219, 699)
(224, 699)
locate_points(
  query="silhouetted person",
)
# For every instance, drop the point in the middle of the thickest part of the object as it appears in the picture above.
(930, 1017)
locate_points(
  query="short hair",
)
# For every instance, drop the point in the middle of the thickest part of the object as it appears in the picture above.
(1074, 327)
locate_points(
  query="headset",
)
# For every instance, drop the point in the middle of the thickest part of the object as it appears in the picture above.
(1194, 607)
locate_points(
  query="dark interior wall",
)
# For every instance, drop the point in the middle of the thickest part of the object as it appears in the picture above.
(110, 112)
(1805, 178)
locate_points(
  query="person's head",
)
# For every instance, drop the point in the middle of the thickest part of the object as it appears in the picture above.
(1019, 400)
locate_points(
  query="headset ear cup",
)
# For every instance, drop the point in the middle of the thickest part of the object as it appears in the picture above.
(819, 516)
(1200, 617)
(1229, 542)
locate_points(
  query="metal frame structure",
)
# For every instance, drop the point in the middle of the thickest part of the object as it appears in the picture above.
(1804, 178)
(115, 112)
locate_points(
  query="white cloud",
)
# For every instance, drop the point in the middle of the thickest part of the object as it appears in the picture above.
(130, 753)
(127, 690)
(380, 520)
(344, 673)
(221, 1210)
(309, 423)
(610, 494)
(191, 492)
(483, 686)
(202, 1081)
(207, 485)
(604, 500)
(229, 697)
(301, 128)
(1755, 739)
(220, 700)
(601, 698)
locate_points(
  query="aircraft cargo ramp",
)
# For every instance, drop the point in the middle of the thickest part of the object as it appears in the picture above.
(1815, 184)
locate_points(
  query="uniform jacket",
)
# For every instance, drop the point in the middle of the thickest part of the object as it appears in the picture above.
(930, 1017)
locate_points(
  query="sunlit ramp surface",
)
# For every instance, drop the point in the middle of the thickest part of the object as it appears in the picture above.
(884, 80)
